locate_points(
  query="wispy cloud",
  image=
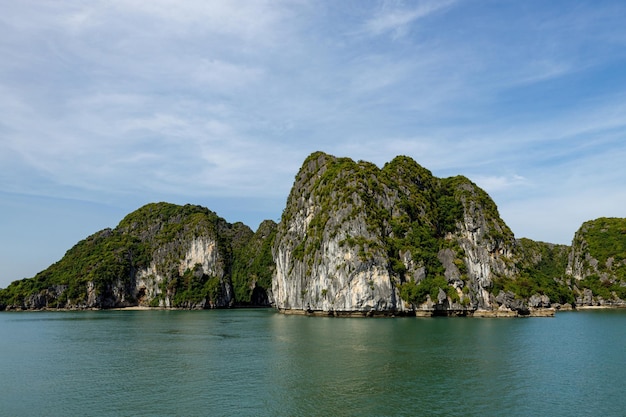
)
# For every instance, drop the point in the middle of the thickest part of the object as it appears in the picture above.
(494, 184)
(394, 17)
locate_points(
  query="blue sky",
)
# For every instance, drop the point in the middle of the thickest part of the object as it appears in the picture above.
(109, 105)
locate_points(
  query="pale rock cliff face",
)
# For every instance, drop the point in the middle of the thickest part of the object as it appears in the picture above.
(148, 284)
(202, 256)
(317, 268)
(203, 252)
(488, 247)
(336, 280)
(344, 242)
(580, 263)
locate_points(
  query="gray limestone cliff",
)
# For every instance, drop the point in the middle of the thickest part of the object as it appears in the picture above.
(358, 240)
(597, 263)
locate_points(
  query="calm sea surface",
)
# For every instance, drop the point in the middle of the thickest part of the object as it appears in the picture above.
(261, 363)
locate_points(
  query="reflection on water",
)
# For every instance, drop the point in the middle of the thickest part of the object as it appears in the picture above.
(258, 362)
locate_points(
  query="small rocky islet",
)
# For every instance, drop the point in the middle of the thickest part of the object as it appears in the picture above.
(354, 240)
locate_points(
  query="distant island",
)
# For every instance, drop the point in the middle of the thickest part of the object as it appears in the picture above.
(353, 240)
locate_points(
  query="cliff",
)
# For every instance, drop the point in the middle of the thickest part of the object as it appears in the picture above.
(596, 265)
(358, 240)
(160, 255)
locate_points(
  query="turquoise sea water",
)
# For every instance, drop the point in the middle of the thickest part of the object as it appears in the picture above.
(261, 363)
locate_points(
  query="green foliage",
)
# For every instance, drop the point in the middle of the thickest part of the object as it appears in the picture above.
(253, 265)
(417, 293)
(298, 252)
(541, 270)
(605, 239)
(103, 258)
(157, 233)
(526, 285)
(408, 213)
(449, 207)
(603, 288)
(16, 291)
(192, 287)
(412, 293)
(398, 267)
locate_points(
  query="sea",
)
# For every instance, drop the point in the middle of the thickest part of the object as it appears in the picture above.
(258, 362)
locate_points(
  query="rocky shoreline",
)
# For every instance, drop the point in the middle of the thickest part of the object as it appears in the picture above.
(499, 313)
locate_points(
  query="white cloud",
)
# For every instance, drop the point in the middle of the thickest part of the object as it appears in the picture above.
(493, 184)
(252, 20)
(394, 17)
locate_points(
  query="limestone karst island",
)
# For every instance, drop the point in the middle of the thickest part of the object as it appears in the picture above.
(353, 240)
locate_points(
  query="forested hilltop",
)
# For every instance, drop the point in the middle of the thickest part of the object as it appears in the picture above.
(354, 239)
(162, 255)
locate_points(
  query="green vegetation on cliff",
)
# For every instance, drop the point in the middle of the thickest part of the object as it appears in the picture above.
(427, 236)
(400, 217)
(430, 286)
(541, 270)
(253, 266)
(606, 242)
(431, 234)
(102, 270)
(599, 257)
(101, 259)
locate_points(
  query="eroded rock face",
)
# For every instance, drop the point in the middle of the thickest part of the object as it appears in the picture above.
(160, 255)
(355, 238)
(539, 301)
(597, 263)
(202, 258)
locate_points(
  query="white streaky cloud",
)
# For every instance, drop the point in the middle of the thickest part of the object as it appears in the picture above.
(541, 70)
(131, 46)
(575, 131)
(209, 156)
(393, 17)
(250, 19)
(419, 82)
(601, 116)
(493, 184)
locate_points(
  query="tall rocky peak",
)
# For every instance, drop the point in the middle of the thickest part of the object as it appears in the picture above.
(597, 262)
(356, 238)
(160, 255)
